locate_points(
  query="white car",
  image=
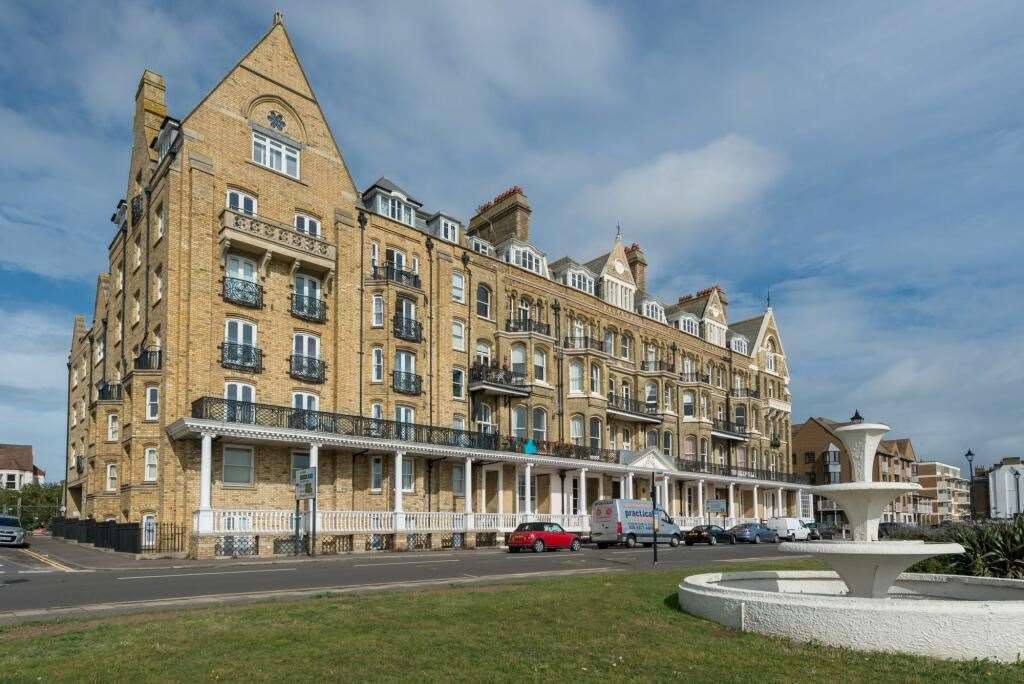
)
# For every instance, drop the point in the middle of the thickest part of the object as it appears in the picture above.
(790, 529)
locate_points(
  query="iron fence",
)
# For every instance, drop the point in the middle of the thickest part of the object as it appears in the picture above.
(309, 308)
(245, 292)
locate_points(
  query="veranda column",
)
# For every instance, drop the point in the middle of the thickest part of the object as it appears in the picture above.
(757, 505)
(501, 488)
(780, 505)
(799, 503)
(629, 486)
(314, 459)
(205, 522)
(582, 510)
(700, 498)
(529, 486)
(732, 501)
(468, 486)
(397, 477)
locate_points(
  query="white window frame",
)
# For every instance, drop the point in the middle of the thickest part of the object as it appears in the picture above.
(461, 394)
(306, 224)
(152, 402)
(150, 460)
(485, 302)
(301, 340)
(458, 479)
(110, 484)
(408, 471)
(242, 196)
(113, 427)
(458, 336)
(458, 287)
(376, 474)
(284, 151)
(238, 448)
(377, 319)
(540, 355)
(576, 376)
(377, 364)
(449, 230)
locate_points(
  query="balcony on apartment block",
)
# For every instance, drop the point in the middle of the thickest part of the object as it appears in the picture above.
(728, 429)
(498, 381)
(396, 274)
(243, 292)
(406, 383)
(626, 408)
(408, 329)
(307, 308)
(527, 325)
(272, 238)
(308, 368)
(243, 357)
(583, 344)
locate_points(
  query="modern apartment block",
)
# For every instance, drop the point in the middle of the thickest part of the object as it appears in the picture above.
(260, 314)
(820, 456)
(949, 493)
(1005, 498)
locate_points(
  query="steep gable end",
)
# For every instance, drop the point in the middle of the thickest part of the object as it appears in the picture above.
(273, 57)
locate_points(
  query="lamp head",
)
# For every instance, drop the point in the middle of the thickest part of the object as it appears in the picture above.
(857, 418)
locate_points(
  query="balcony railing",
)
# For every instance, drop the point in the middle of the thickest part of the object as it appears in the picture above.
(776, 441)
(406, 383)
(584, 343)
(308, 368)
(497, 376)
(309, 308)
(408, 329)
(149, 359)
(695, 378)
(243, 357)
(108, 391)
(658, 366)
(396, 275)
(737, 471)
(244, 292)
(619, 403)
(527, 325)
(744, 392)
(729, 427)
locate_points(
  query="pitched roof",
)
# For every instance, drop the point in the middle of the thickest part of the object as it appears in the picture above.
(16, 457)
(749, 328)
(597, 264)
(385, 183)
(691, 305)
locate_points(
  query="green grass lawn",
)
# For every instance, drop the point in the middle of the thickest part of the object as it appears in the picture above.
(615, 626)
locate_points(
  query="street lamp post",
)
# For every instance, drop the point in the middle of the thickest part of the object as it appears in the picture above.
(655, 518)
(970, 492)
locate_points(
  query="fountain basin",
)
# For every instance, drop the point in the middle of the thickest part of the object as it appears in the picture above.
(870, 568)
(943, 616)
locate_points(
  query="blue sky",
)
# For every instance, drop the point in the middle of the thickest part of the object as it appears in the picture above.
(862, 161)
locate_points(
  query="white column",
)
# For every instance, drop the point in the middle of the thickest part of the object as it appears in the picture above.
(314, 459)
(780, 506)
(205, 522)
(629, 486)
(469, 493)
(557, 497)
(700, 498)
(399, 518)
(515, 492)
(799, 502)
(600, 486)
(501, 488)
(810, 504)
(583, 492)
(732, 501)
(757, 505)
(529, 487)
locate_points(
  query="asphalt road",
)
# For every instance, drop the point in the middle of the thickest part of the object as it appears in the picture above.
(30, 589)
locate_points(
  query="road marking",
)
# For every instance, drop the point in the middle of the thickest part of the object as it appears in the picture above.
(47, 561)
(763, 558)
(422, 562)
(203, 574)
(34, 572)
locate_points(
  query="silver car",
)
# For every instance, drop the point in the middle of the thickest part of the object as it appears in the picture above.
(11, 531)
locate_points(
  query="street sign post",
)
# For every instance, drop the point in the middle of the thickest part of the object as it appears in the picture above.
(715, 506)
(305, 489)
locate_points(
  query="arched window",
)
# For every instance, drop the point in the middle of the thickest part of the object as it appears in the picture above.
(627, 438)
(651, 394)
(688, 404)
(704, 449)
(483, 301)
(627, 347)
(519, 422)
(753, 459)
(609, 342)
(687, 366)
(741, 457)
(519, 359)
(667, 397)
(769, 354)
(741, 416)
(627, 390)
(484, 418)
(483, 353)
(652, 439)
(576, 429)
(595, 434)
(540, 362)
(523, 310)
(690, 448)
(576, 376)
(666, 443)
(703, 406)
(540, 425)
(595, 378)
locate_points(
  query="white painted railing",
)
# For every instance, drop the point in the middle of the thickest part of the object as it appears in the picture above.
(355, 521)
(495, 522)
(249, 522)
(435, 521)
(573, 523)
(222, 521)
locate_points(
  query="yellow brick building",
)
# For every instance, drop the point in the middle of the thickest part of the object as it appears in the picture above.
(260, 314)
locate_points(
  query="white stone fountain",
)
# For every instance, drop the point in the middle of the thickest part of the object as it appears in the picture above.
(867, 603)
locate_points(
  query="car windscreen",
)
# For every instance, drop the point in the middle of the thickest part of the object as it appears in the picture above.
(9, 522)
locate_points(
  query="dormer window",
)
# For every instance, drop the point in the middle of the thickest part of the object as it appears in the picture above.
(449, 230)
(525, 258)
(654, 311)
(689, 324)
(739, 344)
(275, 155)
(395, 208)
(581, 281)
(481, 247)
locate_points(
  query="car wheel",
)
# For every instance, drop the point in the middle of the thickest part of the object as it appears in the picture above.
(732, 540)
(674, 541)
(775, 539)
(538, 546)
(757, 539)
(712, 540)
(575, 545)
(630, 542)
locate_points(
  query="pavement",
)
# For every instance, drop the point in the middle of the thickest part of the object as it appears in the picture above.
(54, 579)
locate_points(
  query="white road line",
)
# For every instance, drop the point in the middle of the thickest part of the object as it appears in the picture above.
(203, 574)
(422, 562)
(34, 572)
(764, 558)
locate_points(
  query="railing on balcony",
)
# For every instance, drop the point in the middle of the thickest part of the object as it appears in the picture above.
(744, 392)
(658, 366)
(396, 275)
(695, 378)
(627, 405)
(709, 468)
(149, 359)
(583, 343)
(244, 357)
(108, 391)
(776, 441)
(244, 292)
(309, 308)
(527, 325)
(497, 376)
(729, 427)
(406, 383)
(408, 329)
(308, 368)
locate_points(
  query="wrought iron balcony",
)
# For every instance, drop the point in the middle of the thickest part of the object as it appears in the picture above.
(744, 392)
(243, 357)
(308, 368)
(648, 412)
(730, 428)
(408, 329)
(108, 391)
(704, 466)
(658, 366)
(396, 275)
(497, 380)
(584, 343)
(309, 308)
(406, 383)
(527, 325)
(149, 359)
(775, 442)
(695, 378)
(243, 292)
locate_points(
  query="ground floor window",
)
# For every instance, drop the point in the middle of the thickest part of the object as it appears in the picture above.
(238, 466)
(458, 479)
(522, 492)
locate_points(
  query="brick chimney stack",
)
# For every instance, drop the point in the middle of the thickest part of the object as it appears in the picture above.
(637, 265)
(505, 216)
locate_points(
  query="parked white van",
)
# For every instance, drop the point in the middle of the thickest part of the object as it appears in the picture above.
(630, 522)
(790, 529)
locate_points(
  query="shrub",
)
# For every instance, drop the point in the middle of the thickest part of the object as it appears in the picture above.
(994, 549)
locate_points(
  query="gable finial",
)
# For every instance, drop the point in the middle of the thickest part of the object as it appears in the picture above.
(278, 17)
(769, 298)
(618, 232)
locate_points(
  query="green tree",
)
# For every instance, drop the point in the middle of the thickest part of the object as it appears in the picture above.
(38, 503)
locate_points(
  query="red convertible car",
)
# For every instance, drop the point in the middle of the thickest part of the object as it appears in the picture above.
(541, 536)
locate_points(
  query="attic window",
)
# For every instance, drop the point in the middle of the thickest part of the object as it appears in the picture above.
(739, 344)
(396, 209)
(525, 258)
(275, 155)
(654, 311)
(449, 230)
(581, 281)
(689, 325)
(481, 247)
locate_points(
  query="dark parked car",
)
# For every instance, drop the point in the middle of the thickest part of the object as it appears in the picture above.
(753, 533)
(814, 531)
(708, 534)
